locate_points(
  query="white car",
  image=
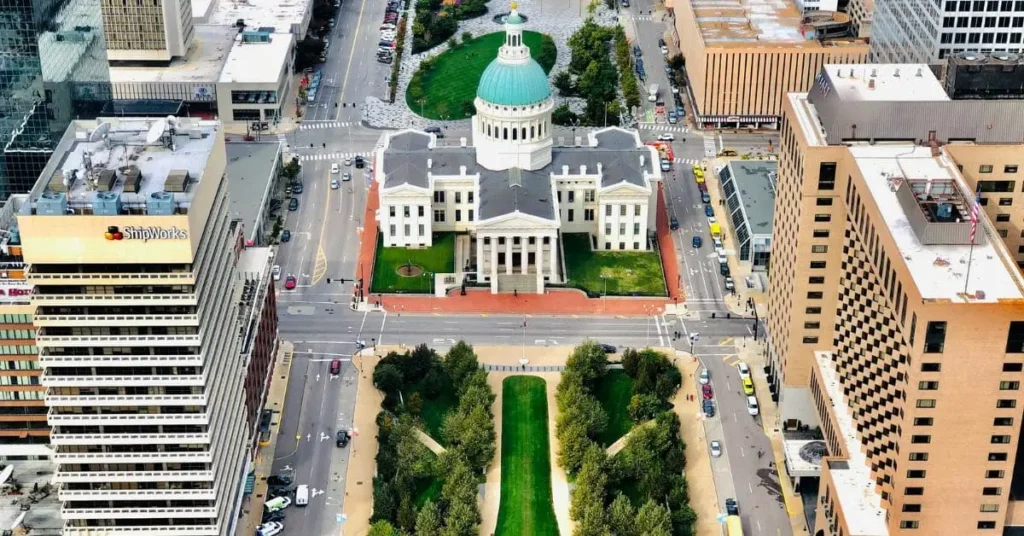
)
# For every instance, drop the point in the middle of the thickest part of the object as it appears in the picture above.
(334, 184)
(705, 377)
(271, 528)
(346, 177)
(348, 161)
(668, 136)
(711, 219)
(752, 408)
(716, 449)
(277, 272)
(718, 244)
(664, 50)
(335, 168)
(729, 284)
(744, 371)
(388, 35)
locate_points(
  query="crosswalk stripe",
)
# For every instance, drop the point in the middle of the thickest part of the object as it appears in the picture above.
(325, 124)
(332, 156)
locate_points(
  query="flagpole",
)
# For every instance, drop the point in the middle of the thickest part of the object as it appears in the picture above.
(970, 257)
(975, 216)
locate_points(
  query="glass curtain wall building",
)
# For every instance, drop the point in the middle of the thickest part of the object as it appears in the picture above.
(53, 70)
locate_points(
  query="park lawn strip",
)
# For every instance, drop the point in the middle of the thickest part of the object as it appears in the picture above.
(448, 89)
(627, 272)
(526, 504)
(438, 259)
(614, 391)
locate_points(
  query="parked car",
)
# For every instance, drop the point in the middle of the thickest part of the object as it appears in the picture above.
(296, 187)
(730, 285)
(708, 211)
(697, 241)
(346, 177)
(668, 136)
(664, 50)
(279, 491)
(272, 528)
(752, 408)
(289, 282)
(276, 271)
(673, 223)
(748, 386)
(608, 348)
(286, 235)
(705, 377)
(716, 449)
(335, 366)
(280, 480)
(277, 503)
(625, 3)
(744, 370)
(704, 197)
(731, 507)
(293, 204)
(348, 160)
(341, 438)
(706, 392)
(436, 131)
(709, 408)
(273, 516)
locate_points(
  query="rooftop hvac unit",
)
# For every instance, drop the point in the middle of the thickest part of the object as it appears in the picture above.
(62, 181)
(178, 180)
(976, 58)
(103, 180)
(52, 204)
(132, 178)
(160, 204)
(106, 204)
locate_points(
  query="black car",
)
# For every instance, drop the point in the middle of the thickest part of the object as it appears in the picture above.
(280, 480)
(342, 438)
(673, 223)
(273, 516)
(360, 162)
(709, 408)
(608, 349)
(661, 42)
(436, 131)
(731, 508)
(286, 235)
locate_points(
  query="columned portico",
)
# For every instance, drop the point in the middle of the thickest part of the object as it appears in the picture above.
(506, 259)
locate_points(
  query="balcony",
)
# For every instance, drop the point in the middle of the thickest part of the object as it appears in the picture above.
(128, 419)
(132, 457)
(179, 360)
(67, 300)
(61, 477)
(176, 380)
(79, 341)
(187, 530)
(57, 439)
(162, 278)
(125, 400)
(137, 513)
(116, 320)
(138, 495)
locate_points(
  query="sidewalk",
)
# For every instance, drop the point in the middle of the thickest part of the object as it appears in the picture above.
(553, 302)
(752, 353)
(252, 505)
(362, 463)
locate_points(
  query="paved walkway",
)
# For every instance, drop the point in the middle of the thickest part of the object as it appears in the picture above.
(553, 302)
(617, 446)
(368, 241)
(523, 369)
(667, 250)
(362, 463)
(252, 507)
(434, 446)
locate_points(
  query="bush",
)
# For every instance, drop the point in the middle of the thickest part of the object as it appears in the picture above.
(644, 407)
(563, 116)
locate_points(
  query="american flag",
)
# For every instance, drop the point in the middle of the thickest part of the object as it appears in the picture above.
(974, 211)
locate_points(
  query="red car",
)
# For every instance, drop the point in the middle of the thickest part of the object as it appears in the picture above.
(706, 389)
(289, 282)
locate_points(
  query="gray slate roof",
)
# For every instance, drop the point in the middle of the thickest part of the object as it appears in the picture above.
(504, 192)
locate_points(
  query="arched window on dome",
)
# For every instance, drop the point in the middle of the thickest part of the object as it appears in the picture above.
(531, 133)
(515, 132)
(505, 133)
(523, 135)
(488, 130)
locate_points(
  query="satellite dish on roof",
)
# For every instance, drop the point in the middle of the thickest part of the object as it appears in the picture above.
(5, 475)
(156, 131)
(101, 130)
(18, 521)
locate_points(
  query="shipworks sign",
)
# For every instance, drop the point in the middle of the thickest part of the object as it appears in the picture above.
(145, 234)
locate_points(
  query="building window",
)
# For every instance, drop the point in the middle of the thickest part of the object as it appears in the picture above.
(995, 473)
(911, 507)
(515, 241)
(405, 211)
(935, 338)
(817, 264)
(458, 197)
(570, 215)
(636, 228)
(920, 439)
(908, 524)
(559, 195)
(918, 456)
(607, 229)
(622, 245)
(1009, 168)
(991, 491)
(986, 187)
(469, 197)
(827, 176)
(999, 439)
(985, 168)
(810, 340)
(916, 473)
(622, 210)
(927, 386)
(470, 214)
(813, 310)
(931, 367)
(458, 215)
(636, 245)
(822, 218)
(925, 403)
(637, 210)
(1005, 201)
(607, 245)
(588, 214)
(391, 211)
(406, 229)
(572, 196)
(923, 421)
(819, 249)
(501, 240)
(1006, 403)
(438, 216)
(439, 196)
(814, 295)
(420, 229)
(588, 196)
(391, 228)
(989, 508)
(821, 233)
(823, 201)
(812, 325)
(419, 211)
(1015, 338)
(1009, 386)
(607, 210)
(622, 229)
(1012, 367)
(997, 456)
(1002, 218)
(913, 491)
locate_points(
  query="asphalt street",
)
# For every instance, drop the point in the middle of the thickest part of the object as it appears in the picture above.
(325, 243)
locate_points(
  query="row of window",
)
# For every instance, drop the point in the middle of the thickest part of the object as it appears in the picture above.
(15, 319)
(1005, 6)
(439, 196)
(961, 38)
(517, 240)
(17, 334)
(982, 22)
(935, 337)
(440, 217)
(22, 395)
(589, 196)
(637, 209)
(622, 245)
(622, 228)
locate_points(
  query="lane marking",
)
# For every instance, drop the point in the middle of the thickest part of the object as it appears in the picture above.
(351, 54)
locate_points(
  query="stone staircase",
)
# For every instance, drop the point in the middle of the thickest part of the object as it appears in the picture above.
(522, 283)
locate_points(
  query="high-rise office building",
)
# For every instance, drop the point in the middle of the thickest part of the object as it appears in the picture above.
(925, 31)
(54, 69)
(896, 312)
(132, 256)
(147, 31)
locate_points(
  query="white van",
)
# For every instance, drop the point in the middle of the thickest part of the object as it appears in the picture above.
(752, 406)
(277, 503)
(302, 495)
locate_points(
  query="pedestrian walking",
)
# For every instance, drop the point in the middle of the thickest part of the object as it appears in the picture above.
(515, 292)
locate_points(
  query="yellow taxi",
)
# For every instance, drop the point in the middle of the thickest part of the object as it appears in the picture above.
(748, 386)
(698, 175)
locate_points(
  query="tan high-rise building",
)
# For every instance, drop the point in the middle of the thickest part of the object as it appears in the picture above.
(895, 324)
(155, 30)
(744, 56)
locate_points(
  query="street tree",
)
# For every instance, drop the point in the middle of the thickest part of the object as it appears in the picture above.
(460, 363)
(387, 378)
(621, 516)
(653, 520)
(382, 528)
(590, 360)
(428, 521)
(591, 483)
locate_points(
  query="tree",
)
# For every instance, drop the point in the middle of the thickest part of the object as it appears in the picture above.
(563, 116)
(415, 404)
(591, 483)
(433, 382)
(460, 363)
(471, 432)
(653, 520)
(644, 407)
(428, 521)
(621, 516)
(590, 360)
(291, 170)
(677, 62)
(387, 378)
(573, 442)
(563, 83)
(382, 528)
(467, 37)
(461, 520)
(591, 521)
(406, 513)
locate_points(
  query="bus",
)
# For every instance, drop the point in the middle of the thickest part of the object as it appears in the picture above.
(733, 527)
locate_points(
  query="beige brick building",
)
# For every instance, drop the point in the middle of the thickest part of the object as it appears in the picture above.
(147, 31)
(744, 56)
(889, 329)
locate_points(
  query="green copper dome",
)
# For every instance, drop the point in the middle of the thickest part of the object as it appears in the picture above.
(514, 84)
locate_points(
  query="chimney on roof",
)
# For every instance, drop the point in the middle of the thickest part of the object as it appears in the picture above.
(918, 72)
(851, 73)
(839, 73)
(599, 167)
(462, 141)
(565, 170)
(874, 73)
(871, 84)
(583, 169)
(430, 163)
(643, 160)
(933, 143)
(896, 74)
(462, 170)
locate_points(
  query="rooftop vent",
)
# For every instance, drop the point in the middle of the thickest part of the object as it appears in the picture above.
(52, 204)
(160, 204)
(132, 178)
(106, 204)
(178, 180)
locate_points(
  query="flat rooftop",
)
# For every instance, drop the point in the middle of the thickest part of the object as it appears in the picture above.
(203, 62)
(885, 82)
(855, 489)
(257, 63)
(755, 187)
(939, 270)
(279, 14)
(29, 485)
(250, 171)
(722, 22)
(112, 162)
